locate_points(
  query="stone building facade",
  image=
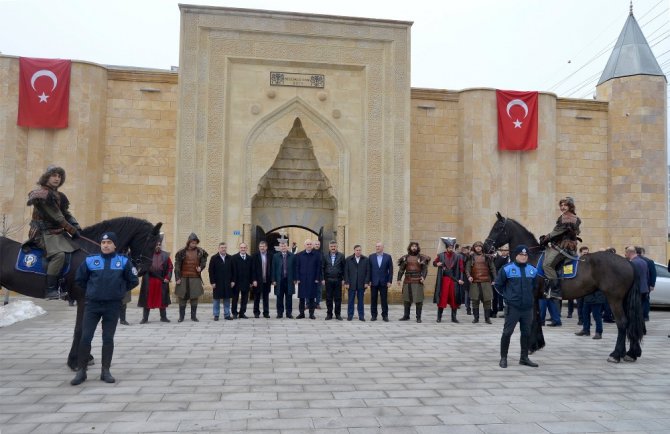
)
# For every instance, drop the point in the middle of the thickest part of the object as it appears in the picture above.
(220, 150)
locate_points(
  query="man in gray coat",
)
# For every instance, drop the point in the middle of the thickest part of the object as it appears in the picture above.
(356, 279)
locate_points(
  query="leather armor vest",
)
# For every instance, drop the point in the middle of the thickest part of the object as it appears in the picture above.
(412, 270)
(480, 269)
(189, 264)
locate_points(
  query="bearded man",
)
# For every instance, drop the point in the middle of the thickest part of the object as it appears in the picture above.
(414, 267)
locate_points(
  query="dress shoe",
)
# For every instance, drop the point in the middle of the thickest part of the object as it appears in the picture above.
(349, 318)
(124, 322)
(280, 316)
(289, 316)
(361, 319)
(374, 318)
(385, 319)
(79, 378)
(580, 322)
(266, 315)
(144, 321)
(569, 315)
(165, 319)
(418, 320)
(598, 336)
(583, 333)
(528, 362)
(228, 318)
(257, 315)
(339, 318)
(554, 324)
(503, 362)
(242, 316)
(329, 317)
(312, 317)
(106, 376)
(235, 315)
(216, 318)
(301, 316)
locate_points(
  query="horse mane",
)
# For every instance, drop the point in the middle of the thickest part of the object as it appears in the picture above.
(124, 227)
(523, 228)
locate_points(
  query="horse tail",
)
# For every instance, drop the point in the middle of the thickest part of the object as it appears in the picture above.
(632, 307)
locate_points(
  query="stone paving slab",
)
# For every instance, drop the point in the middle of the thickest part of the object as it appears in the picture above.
(303, 376)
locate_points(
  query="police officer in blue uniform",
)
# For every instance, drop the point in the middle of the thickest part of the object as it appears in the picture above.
(107, 277)
(517, 283)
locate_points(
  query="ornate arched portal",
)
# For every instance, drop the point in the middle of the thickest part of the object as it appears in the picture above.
(294, 191)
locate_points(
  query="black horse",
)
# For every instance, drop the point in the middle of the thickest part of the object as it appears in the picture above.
(135, 235)
(611, 273)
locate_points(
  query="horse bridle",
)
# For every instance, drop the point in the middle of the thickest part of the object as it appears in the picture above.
(491, 241)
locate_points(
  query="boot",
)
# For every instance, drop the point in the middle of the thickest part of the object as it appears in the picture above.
(475, 314)
(193, 311)
(182, 313)
(406, 316)
(453, 315)
(106, 376)
(311, 313)
(419, 306)
(52, 288)
(524, 360)
(439, 314)
(468, 310)
(122, 315)
(504, 347)
(145, 315)
(79, 377)
(163, 312)
(487, 316)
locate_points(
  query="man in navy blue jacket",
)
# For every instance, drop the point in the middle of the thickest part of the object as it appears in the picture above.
(381, 278)
(517, 283)
(106, 276)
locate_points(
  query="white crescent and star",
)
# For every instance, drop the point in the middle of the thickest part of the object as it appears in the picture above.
(44, 73)
(517, 123)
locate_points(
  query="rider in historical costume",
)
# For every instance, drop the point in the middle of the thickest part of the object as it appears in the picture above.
(414, 266)
(481, 273)
(449, 273)
(563, 239)
(52, 227)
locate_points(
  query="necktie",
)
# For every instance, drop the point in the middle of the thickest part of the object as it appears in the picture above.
(264, 266)
(283, 261)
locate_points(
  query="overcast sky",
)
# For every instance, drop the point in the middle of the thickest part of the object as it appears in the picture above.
(546, 45)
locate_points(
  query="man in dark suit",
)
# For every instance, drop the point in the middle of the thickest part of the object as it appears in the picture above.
(261, 270)
(283, 279)
(356, 279)
(381, 278)
(242, 278)
(333, 277)
(221, 277)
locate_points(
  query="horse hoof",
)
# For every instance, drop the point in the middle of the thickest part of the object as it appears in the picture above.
(629, 359)
(613, 360)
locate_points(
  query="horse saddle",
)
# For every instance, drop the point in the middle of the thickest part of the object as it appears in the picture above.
(566, 269)
(33, 261)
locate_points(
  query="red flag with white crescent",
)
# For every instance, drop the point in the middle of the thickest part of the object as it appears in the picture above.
(44, 92)
(517, 120)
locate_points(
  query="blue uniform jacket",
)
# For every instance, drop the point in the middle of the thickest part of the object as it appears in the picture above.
(517, 284)
(106, 277)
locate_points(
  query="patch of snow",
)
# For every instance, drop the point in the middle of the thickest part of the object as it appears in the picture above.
(19, 310)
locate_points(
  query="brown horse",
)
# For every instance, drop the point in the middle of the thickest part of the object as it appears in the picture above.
(611, 273)
(135, 235)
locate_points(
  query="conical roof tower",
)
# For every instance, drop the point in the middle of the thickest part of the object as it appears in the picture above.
(631, 54)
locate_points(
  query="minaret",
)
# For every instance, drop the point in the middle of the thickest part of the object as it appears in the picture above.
(636, 88)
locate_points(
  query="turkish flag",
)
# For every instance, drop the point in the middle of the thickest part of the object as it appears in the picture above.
(44, 92)
(517, 120)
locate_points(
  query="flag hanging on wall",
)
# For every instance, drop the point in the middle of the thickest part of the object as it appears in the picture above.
(44, 92)
(517, 120)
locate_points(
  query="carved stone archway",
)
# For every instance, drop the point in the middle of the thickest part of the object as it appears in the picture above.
(294, 191)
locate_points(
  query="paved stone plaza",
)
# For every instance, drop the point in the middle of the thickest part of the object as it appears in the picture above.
(291, 376)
